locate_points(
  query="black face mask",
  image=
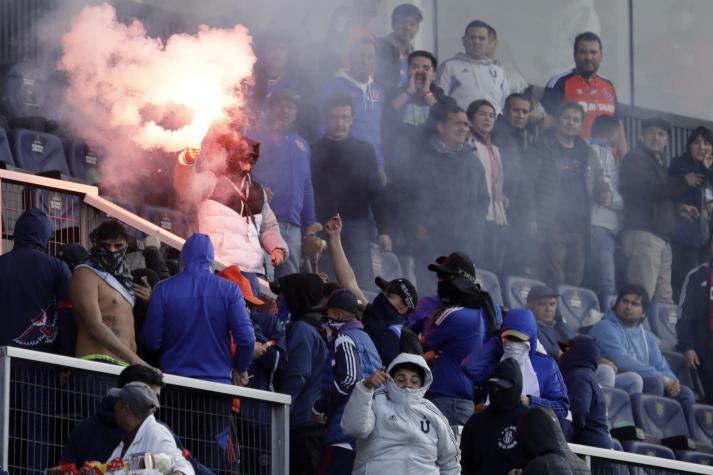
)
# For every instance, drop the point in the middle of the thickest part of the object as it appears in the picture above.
(112, 262)
(504, 399)
(447, 291)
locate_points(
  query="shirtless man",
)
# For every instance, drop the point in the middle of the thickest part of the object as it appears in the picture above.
(103, 299)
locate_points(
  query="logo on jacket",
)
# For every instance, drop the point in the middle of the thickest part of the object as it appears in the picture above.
(300, 144)
(41, 330)
(493, 73)
(425, 426)
(375, 95)
(507, 441)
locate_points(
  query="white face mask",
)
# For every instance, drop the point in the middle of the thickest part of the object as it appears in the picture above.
(517, 350)
(335, 324)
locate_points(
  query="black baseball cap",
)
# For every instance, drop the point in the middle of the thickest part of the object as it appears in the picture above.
(503, 383)
(343, 299)
(455, 264)
(401, 287)
(539, 292)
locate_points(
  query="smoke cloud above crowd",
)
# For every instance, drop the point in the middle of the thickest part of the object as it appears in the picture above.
(130, 94)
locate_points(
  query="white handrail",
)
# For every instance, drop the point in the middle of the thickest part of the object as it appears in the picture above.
(76, 363)
(625, 457)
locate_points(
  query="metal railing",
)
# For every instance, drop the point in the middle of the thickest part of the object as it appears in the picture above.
(602, 461)
(43, 396)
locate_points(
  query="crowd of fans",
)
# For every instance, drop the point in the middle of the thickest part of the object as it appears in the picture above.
(460, 161)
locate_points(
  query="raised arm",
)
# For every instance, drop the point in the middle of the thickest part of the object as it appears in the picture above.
(343, 271)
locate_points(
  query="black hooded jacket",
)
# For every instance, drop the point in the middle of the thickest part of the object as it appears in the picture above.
(31, 283)
(589, 411)
(544, 447)
(489, 444)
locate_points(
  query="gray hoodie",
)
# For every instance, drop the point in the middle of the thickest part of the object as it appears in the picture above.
(399, 432)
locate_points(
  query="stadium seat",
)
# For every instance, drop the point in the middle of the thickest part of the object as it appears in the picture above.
(38, 152)
(662, 319)
(703, 430)
(659, 417)
(693, 456)
(81, 161)
(167, 218)
(607, 301)
(619, 412)
(515, 290)
(575, 305)
(489, 282)
(63, 209)
(22, 90)
(5, 154)
(616, 445)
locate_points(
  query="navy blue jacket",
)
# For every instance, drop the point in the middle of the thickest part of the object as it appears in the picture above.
(191, 317)
(302, 377)
(96, 437)
(693, 328)
(384, 325)
(31, 283)
(284, 167)
(589, 410)
(480, 364)
(263, 370)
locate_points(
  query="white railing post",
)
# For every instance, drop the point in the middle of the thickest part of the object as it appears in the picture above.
(280, 439)
(4, 408)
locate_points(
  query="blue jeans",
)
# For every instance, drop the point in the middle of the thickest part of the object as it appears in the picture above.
(292, 234)
(356, 240)
(602, 252)
(457, 411)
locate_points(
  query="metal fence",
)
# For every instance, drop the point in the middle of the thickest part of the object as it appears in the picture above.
(611, 462)
(44, 396)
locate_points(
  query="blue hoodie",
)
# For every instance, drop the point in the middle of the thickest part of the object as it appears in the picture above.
(31, 284)
(630, 348)
(284, 167)
(191, 317)
(481, 363)
(589, 410)
(368, 107)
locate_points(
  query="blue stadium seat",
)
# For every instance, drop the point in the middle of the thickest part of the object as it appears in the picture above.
(645, 448)
(81, 161)
(63, 209)
(703, 430)
(616, 445)
(38, 152)
(619, 412)
(607, 301)
(662, 318)
(23, 90)
(5, 154)
(575, 304)
(659, 417)
(692, 456)
(489, 282)
(515, 290)
(167, 218)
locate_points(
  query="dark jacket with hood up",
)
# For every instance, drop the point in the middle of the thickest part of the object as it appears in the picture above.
(544, 447)
(589, 410)
(387, 329)
(307, 353)
(31, 284)
(489, 444)
(479, 365)
(191, 318)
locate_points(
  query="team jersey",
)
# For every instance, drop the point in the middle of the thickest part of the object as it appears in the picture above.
(597, 95)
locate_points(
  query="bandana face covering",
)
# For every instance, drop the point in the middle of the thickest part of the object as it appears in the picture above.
(114, 263)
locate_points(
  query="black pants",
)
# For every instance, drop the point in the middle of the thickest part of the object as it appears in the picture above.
(305, 450)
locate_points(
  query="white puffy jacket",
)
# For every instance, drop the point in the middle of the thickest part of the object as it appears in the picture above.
(235, 238)
(399, 432)
(466, 79)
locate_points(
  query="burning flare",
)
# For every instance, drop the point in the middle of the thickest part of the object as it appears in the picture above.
(129, 93)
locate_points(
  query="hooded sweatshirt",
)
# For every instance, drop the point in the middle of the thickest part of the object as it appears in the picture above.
(479, 365)
(466, 79)
(191, 317)
(398, 431)
(589, 410)
(31, 284)
(367, 107)
(489, 443)
(307, 353)
(630, 348)
(544, 446)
